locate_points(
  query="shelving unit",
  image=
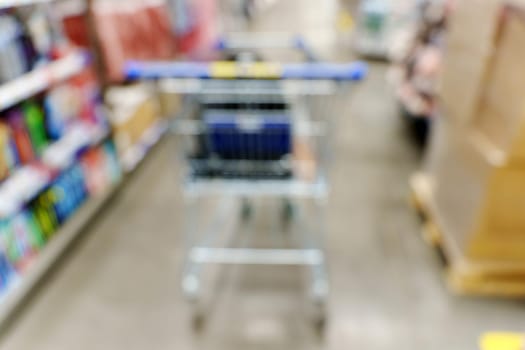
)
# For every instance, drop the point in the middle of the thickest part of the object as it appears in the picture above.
(28, 181)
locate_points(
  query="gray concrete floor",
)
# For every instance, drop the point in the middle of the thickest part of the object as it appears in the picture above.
(119, 287)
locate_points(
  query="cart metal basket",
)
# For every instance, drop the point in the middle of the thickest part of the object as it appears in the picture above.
(253, 129)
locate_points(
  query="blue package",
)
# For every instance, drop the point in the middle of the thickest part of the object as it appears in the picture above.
(61, 205)
(266, 136)
(7, 272)
(115, 171)
(55, 124)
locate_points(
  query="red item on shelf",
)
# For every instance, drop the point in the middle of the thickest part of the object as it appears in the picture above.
(137, 31)
(76, 29)
(200, 38)
(95, 172)
(21, 137)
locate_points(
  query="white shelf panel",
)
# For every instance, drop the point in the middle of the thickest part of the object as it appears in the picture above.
(15, 3)
(41, 78)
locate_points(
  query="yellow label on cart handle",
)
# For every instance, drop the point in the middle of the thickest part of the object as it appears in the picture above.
(232, 70)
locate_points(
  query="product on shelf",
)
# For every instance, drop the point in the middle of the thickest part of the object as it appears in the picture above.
(27, 41)
(38, 32)
(15, 56)
(101, 168)
(20, 239)
(195, 25)
(34, 120)
(34, 124)
(8, 152)
(7, 273)
(139, 30)
(55, 152)
(24, 147)
(23, 235)
(134, 110)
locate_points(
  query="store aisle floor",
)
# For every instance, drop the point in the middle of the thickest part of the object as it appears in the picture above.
(119, 287)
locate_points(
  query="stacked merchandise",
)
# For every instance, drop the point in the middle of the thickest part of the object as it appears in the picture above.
(472, 188)
(24, 234)
(136, 121)
(55, 153)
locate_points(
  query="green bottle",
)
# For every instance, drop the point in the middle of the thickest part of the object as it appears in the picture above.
(34, 120)
(36, 235)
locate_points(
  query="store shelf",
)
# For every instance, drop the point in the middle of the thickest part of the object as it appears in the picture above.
(51, 252)
(134, 155)
(15, 3)
(30, 180)
(41, 78)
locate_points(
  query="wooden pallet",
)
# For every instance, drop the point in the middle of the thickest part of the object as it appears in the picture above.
(463, 276)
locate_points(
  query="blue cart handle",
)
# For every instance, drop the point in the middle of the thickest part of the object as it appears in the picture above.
(354, 71)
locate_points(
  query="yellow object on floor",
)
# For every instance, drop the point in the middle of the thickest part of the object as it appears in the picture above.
(503, 341)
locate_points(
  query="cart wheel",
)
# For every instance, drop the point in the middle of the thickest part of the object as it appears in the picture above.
(320, 324)
(288, 210)
(246, 210)
(198, 318)
(319, 316)
(320, 293)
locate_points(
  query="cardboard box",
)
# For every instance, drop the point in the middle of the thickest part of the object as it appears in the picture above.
(500, 111)
(477, 168)
(134, 109)
(470, 42)
(170, 104)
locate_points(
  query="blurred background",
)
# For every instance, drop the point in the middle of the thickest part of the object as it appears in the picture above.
(128, 127)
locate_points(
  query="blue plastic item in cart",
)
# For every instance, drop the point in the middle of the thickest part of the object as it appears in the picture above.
(248, 136)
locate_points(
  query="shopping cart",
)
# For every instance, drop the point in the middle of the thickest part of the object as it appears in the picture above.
(248, 132)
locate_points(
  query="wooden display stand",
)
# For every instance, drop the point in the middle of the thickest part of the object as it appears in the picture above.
(472, 190)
